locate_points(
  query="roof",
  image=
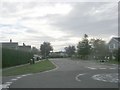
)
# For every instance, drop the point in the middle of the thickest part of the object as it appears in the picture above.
(9, 43)
(118, 39)
(25, 46)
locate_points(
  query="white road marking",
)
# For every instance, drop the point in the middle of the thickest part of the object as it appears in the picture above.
(112, 68)
(92, 68)
(19, 77)
(14, 79)
(77, 77)
(24, 75)
(8, 82)
(113, 77)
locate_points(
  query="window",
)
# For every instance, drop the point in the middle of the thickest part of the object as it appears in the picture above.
(114, 46)
(111, 46)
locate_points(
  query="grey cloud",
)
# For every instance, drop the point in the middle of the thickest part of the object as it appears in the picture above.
(31, 31)
(8, 7)
(79, 21)
(42, 39)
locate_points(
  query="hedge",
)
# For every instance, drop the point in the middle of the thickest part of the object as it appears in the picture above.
(11, 57)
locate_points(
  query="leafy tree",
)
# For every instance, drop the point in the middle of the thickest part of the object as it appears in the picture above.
(45, 49)
(35, 50)
(85, 36)
(99, 48)
(70, 50)
(83, 47)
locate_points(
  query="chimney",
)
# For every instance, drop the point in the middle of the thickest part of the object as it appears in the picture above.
(10, 40)
(23, 44)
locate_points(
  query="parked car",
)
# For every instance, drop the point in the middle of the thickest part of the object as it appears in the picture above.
(104, 60)
(37, 57)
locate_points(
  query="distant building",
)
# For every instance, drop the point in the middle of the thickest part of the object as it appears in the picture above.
(114, 44)
(14, 45)
(58, 54)
(10, 45)
(25, 47)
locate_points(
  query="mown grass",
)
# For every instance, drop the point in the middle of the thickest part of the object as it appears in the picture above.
(98, 61)
(109, 62)
(114, 62)
(34, 68)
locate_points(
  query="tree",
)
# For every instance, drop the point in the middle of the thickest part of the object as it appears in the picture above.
(83, 47)
(35, 50)
(45, 49)
(70, 50)
(99, 48)
(85, 36)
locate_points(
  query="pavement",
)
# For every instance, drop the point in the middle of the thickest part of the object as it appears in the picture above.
(68, 74)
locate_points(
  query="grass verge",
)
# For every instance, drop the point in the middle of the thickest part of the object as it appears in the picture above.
(34, 68)
(113, 62)
(109, 62)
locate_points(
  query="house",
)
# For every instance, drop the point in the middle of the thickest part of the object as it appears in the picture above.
(14, 45)
(25, 47)
(10, 45)
(114, 44)
(59, 54)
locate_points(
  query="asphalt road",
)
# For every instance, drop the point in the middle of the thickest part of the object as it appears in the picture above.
(69, 74)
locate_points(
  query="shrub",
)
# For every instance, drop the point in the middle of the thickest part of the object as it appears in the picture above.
(11, 57)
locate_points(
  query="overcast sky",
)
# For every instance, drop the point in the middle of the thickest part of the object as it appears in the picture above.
(61, 24)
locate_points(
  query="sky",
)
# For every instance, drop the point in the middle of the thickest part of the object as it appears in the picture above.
(60, 23)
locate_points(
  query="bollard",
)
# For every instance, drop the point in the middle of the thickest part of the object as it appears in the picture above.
(31, 61)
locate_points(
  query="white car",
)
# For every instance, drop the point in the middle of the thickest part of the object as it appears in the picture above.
(37, 57)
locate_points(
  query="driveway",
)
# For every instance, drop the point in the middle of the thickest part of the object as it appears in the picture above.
(69, 74)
